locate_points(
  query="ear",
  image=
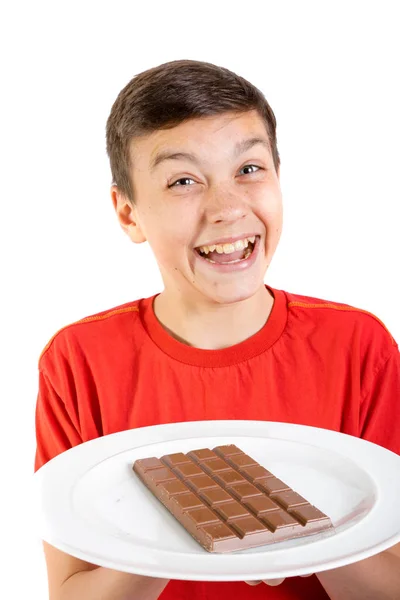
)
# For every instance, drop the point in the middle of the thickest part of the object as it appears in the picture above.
(127, 215)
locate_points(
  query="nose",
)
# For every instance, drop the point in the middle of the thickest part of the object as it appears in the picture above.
(225, 205)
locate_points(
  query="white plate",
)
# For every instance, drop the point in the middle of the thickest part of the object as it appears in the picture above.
(90, 504)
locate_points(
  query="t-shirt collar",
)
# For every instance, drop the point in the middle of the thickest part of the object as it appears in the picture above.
(249, 348)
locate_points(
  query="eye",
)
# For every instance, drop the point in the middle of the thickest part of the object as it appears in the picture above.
(247, 166)
(179, 180)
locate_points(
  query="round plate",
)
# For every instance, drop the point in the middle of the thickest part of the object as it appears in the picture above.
(90, 504)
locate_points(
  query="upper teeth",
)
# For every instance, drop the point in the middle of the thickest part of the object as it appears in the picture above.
(228, 248)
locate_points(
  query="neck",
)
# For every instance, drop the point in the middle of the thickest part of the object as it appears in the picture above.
(213, 327)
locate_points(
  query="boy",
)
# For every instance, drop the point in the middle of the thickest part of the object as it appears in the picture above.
(195, 169)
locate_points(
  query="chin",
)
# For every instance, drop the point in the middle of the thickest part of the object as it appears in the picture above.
(232, 294)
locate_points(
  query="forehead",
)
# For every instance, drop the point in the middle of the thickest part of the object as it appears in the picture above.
(219, 132)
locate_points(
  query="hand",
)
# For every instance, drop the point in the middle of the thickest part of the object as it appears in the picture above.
(272, 581)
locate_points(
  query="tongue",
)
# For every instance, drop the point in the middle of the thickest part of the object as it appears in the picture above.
(224, 258)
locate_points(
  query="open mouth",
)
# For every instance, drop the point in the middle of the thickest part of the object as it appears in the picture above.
(230, 255)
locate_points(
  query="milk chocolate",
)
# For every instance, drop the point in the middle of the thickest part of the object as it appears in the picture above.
(227, 501)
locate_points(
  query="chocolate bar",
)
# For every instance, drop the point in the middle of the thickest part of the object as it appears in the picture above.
(227, 501)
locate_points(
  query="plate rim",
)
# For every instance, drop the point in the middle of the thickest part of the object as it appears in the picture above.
(84, 456)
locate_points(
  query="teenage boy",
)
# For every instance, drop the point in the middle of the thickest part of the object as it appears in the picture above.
(195, 168)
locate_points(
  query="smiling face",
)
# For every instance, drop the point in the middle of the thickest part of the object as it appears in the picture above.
(227, 188)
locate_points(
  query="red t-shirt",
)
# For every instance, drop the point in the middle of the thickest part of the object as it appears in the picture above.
(314, 362)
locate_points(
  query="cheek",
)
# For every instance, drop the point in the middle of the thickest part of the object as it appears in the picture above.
(170, 246)
(274, 209)
(272, 215)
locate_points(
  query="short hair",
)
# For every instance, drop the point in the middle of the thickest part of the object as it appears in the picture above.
(169, 94)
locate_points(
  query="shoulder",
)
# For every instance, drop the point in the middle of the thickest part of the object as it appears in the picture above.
(91, 330)
(344, 322)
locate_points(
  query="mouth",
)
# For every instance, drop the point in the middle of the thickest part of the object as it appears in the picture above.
(228, 257)
(229, 253)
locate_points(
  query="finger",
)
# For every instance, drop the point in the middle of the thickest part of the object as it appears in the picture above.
(253, 582)
(273, 581)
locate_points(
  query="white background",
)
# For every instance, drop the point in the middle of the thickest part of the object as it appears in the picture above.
(330, 72)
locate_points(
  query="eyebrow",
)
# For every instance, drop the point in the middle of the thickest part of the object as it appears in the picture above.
(239, 148)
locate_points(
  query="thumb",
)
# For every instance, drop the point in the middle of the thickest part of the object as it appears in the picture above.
(273, 581)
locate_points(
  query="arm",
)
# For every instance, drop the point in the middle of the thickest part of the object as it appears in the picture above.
(369, 579)
(377, 577)
(73, 579)
(57, 430)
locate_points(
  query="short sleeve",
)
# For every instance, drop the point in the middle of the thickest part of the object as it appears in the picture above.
(380, 407)
(56, 429)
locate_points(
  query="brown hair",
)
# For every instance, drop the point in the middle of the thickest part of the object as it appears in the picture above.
(165, 96)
